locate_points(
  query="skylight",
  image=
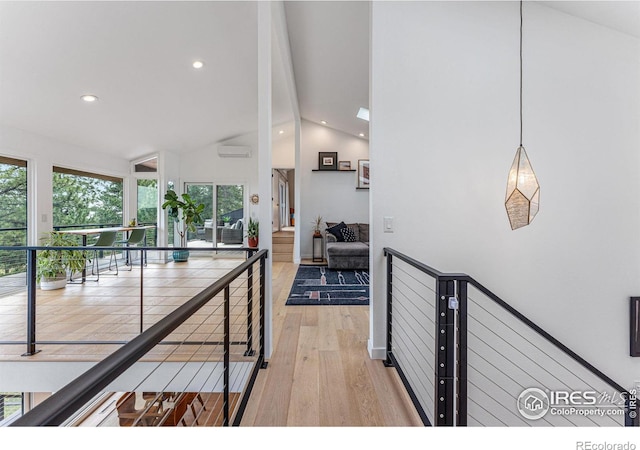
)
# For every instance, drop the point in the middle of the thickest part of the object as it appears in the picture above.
(363, 113)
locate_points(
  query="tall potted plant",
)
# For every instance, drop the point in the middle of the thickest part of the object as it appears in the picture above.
(52, 265)
(186, 214)
(253, 231)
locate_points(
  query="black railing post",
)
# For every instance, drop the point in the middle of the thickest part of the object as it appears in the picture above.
(250, 351)
(227, 349)
(31, 303)
(462, 353)
(141, 293)
(445, 355)
(262, 309)
(387, 361)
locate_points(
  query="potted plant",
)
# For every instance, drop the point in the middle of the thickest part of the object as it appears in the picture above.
(227, 221)
(186, 214)
(52, 265)
(317, 224)
(253, 231)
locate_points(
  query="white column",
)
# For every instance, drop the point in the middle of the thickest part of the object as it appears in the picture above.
(264, 155)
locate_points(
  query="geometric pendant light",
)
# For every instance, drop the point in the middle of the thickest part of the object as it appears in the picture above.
(523, 191)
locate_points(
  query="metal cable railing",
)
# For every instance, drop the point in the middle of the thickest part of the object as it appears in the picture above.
(486, 364)
(213, 348)
(412, 323)
(113, 301)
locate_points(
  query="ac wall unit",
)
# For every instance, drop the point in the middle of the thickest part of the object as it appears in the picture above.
(234, 151)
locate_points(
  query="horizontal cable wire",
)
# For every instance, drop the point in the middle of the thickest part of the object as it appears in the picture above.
(417, 306)
(395, 266)
(527, 340)
(421, 308)
(566, 385)
(414, 369)
(407, 323)
(394, 285)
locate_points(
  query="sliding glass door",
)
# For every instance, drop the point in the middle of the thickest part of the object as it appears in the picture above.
(231, 226)
(224, 224)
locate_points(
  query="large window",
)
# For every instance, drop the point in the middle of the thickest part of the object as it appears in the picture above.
(148, 207)
(13, 215)
(82, 199)
(11, 406)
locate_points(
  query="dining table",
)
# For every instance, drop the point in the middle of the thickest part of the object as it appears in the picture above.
(92, 231)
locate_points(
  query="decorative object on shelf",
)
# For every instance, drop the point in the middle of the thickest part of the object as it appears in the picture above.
(253, 232)
(317, 224)
(327, 160)
(255, 198)
(523, 191)
(132, 222)
(344, 165)
(318, 251)
(635, 326)
(363, 174)
(186, 214)
(52, 265)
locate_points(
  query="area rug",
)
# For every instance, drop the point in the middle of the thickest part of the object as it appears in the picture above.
(318, 285)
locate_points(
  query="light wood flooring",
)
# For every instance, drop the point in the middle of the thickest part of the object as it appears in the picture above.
(320, 373)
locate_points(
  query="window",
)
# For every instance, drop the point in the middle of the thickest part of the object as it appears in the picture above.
(82, 199)
(11, 406)
(13, 219)
(147, 213)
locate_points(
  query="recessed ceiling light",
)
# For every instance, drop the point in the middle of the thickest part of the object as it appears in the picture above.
(323, 122)
(281, 132)
(363, 113)
(89, 98)
(361, 135)
(198, 64)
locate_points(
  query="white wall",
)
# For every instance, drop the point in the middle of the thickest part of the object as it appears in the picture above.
(42, 154)
(444, 132)
(332, 195)
(284, 152)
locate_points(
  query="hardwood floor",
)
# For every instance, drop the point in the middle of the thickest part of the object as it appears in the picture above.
(320, 373)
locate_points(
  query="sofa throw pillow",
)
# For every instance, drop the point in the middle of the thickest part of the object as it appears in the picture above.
(348, 234)
(336, 230)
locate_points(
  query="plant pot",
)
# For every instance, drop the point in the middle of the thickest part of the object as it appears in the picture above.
(253, 242)
(317, 233)
(49, 284)
(180, 255)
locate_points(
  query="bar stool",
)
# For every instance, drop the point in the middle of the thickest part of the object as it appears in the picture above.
(106, 239)
(136, 237)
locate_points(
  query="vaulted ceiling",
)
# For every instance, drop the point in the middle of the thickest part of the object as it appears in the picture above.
(136, 57)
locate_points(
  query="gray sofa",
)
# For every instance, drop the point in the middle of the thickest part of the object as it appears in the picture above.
(348, 255)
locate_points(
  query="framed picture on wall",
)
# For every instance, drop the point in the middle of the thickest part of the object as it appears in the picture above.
(635, 326)
(327, 160)
(363, 174)
(344, 165)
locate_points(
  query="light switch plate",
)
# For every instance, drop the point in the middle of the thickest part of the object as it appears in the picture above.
(388, 224)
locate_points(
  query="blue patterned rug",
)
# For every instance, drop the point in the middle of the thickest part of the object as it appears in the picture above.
(318, 285)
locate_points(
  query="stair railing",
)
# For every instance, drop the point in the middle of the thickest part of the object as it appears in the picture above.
(468, 358)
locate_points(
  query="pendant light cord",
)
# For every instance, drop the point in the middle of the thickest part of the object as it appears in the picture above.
(520, 73)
